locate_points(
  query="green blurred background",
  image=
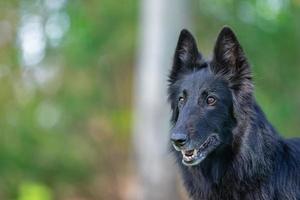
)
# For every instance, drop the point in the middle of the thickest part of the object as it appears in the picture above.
(66, 79)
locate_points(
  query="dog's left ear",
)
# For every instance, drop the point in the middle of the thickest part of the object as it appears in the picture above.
(229, 59)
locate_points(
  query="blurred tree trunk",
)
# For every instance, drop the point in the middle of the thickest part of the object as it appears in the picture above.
(160, 25)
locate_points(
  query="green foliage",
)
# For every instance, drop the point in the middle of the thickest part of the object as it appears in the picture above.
(59, 134)
(34, 191)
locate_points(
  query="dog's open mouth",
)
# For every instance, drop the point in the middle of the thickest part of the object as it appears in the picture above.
(195, 156)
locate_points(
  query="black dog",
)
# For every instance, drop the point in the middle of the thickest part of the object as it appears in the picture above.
(224, 144)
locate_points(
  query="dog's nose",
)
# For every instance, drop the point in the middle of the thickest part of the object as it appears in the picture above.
(179, 139)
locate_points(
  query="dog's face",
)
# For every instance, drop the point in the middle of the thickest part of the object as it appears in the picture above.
(205, 115)
(202, 95)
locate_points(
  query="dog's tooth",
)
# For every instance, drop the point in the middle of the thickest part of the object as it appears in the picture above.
(186, 158)
(195, 152)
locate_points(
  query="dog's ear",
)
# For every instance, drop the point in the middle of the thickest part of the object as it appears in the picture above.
(186, 55)
(229, 59)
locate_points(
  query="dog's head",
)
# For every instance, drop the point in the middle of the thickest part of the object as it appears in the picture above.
(207, 97)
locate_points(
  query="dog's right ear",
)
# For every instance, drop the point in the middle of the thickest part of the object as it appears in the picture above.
(186, 55)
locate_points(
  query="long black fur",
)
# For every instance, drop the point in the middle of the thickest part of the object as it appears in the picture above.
(253, 162)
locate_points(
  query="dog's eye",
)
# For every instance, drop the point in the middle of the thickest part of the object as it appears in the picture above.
(211, 100)
(181, 100)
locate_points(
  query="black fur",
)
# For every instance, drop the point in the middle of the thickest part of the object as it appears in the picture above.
(250, 160)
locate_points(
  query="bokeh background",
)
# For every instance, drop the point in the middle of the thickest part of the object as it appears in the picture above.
(67, 86)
